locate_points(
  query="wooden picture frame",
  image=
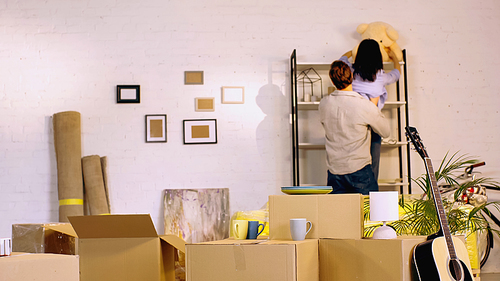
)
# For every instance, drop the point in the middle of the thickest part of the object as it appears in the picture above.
(156, 128)
(193, 78)
(204, 104)
(200, 131)
(128, 94)
(233, 95)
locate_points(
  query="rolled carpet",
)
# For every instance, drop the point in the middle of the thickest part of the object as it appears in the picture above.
(68, 148)
(104, 166)
(94, 185)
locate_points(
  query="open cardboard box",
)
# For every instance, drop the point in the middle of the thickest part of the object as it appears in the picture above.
(331, 215)
(251, 260)
(122, 247)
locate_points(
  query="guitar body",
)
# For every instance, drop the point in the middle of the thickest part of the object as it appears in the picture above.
(431, 260)
(442, 257)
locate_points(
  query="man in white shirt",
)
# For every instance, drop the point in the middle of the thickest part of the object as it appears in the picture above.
(347, 118)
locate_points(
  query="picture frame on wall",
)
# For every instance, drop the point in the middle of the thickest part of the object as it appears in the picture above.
(233, 95)
(193, 78)
(200, 131)
(156, 128)
(128, 94)
(204, 104)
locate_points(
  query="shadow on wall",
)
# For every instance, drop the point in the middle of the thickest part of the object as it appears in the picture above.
(273, 132)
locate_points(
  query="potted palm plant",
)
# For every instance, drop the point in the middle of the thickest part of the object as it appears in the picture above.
(418, 214)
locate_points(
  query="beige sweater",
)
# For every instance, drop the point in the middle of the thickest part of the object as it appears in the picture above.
(347, 118)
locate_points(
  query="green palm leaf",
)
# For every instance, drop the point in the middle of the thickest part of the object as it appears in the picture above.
(419, 214)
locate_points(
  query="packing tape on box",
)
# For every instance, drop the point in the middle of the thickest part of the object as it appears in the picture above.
(5, 246)
(239, 258)
(72, 201)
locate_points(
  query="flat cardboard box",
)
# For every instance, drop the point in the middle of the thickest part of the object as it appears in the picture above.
(332, 215)
(367, 259)
(40, 238)
(123, 247)
(40, 267)
(251, 260)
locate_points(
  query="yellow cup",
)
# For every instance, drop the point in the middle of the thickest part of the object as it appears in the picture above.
(240, 229)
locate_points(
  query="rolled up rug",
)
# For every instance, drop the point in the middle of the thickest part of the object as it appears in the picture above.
(104, 166)
(68, 148)
(94, 185)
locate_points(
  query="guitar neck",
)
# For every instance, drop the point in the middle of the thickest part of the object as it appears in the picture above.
(443, 221)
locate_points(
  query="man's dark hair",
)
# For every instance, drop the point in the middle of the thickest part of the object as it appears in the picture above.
(340, 74)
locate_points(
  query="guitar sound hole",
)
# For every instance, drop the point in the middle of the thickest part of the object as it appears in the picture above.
(456, 270)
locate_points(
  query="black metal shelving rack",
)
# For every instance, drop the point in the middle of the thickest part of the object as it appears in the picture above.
(401, 137)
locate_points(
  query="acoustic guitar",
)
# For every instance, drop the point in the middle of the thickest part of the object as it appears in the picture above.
(442, 257)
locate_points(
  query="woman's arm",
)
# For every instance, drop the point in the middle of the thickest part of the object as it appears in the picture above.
(346, 59)
(395, 61)
(393, 75)
(347, 54)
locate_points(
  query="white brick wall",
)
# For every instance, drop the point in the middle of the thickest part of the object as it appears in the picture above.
(70, 55)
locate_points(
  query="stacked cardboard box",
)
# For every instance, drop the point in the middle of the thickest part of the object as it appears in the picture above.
(40, 238)
(332, 216)
(279, 258)
(42, 267)
(334, 249)
(367, 259)
(250, 260)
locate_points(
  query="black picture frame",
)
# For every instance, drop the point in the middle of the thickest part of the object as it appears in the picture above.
(156, 128)
(128, 94)
(200, 131)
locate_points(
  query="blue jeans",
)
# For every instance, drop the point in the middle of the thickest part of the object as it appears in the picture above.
(376, 143)
(361, 181)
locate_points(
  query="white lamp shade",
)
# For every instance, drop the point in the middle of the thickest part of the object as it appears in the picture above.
(384, 206)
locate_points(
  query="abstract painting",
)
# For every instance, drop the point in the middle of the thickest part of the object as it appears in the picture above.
(197, 215)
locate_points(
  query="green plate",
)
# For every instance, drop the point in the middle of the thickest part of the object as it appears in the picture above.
(294, 190)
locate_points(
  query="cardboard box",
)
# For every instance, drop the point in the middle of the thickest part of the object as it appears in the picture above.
(251, 260)
(40, 267)
(40, 238)
(123, 247)
(367, 259)
(332, 215)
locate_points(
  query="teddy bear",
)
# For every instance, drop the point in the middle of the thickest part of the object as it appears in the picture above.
(384, 34)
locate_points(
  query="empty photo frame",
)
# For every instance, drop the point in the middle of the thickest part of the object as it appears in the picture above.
(156, 128)
(204, 104)
(193, 77)
(233, 94)
(128, 94)
(200, 131)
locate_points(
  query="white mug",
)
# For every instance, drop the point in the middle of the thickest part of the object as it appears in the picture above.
(298, 228)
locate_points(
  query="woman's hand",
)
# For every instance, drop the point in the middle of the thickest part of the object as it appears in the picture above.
(395, 60)
(347, 54)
